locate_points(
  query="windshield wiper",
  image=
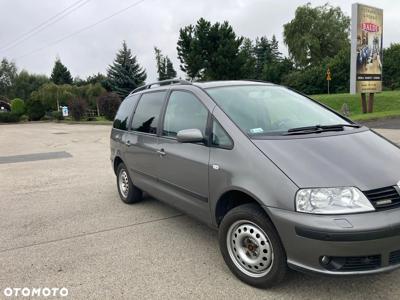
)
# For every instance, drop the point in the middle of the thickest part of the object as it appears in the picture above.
(319, 128)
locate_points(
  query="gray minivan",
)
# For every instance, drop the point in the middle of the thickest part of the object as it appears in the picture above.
(287, 181)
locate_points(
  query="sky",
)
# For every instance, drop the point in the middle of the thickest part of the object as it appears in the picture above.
(87, 49)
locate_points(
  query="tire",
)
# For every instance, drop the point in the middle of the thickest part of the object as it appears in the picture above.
(255, 253)
(127, 191)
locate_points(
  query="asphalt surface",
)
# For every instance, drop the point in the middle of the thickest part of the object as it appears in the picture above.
(62, 225)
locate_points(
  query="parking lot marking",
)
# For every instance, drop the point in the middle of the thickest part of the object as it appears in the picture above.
(34, 157)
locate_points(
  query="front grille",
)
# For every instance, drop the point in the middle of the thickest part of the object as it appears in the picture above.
(394, 257)
(354, 263)
(384, 198)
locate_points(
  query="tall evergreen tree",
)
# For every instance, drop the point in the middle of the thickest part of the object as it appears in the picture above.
(247, 53)
(165, 68)
(125, 74)
(60, 73)
(170, 71)
(210, 51)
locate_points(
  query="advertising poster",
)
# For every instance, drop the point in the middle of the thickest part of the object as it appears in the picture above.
(366, 49)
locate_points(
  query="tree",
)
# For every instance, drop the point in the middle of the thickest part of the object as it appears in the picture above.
(25, 84)
(189, 52)
(96, 78)
(8, 73)
(77, 107)
(170, 72)
(92, 93)
(125, 74)
(316, 33)
(391, 66)
(60, 73)
(165, 68)
(312, 80)
(247, 55)
(210, 51)
(35, 109)
(109, 103)
(18, 106)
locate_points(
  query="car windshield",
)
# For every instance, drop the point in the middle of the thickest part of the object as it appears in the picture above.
(271, 110)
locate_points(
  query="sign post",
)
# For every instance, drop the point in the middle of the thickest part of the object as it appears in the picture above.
(366, 53)
(328, 77)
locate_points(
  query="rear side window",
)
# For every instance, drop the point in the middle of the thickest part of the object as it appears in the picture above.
(184, 111)
(124, 111)
(147, 112)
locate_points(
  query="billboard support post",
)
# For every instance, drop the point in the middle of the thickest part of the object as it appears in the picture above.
(371, 103)
(364, 102)
(366, 53)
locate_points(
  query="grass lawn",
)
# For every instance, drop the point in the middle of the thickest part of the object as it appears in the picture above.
(386, 104)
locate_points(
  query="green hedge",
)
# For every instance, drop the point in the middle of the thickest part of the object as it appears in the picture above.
(9, 117)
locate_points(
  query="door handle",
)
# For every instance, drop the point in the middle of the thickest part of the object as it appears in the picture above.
(128, 143)
(161, 152)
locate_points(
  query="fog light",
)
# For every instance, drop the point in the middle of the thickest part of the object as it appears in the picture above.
(325, 260)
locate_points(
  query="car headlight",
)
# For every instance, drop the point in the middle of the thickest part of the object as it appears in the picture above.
(341, 200)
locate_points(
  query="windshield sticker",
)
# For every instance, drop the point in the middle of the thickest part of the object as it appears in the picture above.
(256, 130)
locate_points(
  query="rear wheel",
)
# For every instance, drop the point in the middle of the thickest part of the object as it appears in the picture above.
(251, 246)
(127, 191)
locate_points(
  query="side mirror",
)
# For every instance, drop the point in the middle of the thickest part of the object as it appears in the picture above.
(189, 136)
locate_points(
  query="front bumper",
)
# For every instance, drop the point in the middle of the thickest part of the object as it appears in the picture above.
(364, 243)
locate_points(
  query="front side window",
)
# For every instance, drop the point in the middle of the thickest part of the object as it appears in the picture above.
(124, 111)
(219, 137)
(147, 112)
(184, 111)
(270, 110)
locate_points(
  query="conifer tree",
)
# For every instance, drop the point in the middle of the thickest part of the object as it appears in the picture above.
(60, 73)
(125, 74)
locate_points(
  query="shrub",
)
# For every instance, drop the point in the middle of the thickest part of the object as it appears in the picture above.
(9, 117)
(23, 118)
(77, 108)
(18, 106)
(57, 115)
(35, 109)
(108, 105)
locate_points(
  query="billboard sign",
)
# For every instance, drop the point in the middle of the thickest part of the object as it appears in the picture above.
(366, 49)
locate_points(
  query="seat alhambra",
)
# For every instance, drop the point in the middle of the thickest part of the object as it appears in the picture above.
(287, 181)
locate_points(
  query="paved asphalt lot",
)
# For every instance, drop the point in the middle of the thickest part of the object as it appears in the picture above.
(62, 225)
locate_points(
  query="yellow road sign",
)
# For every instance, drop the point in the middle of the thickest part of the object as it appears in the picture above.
(328, 75)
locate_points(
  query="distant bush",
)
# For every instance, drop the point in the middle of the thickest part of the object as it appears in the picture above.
(9, 117)
(57, 115)
(91, 119)
(35, 109)
(24, 118)
(108, 105)
(18, 106)
(77, 108)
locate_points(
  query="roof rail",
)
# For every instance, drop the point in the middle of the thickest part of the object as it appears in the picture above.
(161, 83)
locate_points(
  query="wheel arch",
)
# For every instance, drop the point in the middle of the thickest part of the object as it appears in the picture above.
(232, 198)
(117, 161)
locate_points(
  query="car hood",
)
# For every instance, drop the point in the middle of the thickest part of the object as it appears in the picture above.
(361, 159)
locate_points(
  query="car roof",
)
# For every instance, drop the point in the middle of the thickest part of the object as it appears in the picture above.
(222, 83)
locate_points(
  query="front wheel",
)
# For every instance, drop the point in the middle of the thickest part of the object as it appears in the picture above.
(251, 246)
